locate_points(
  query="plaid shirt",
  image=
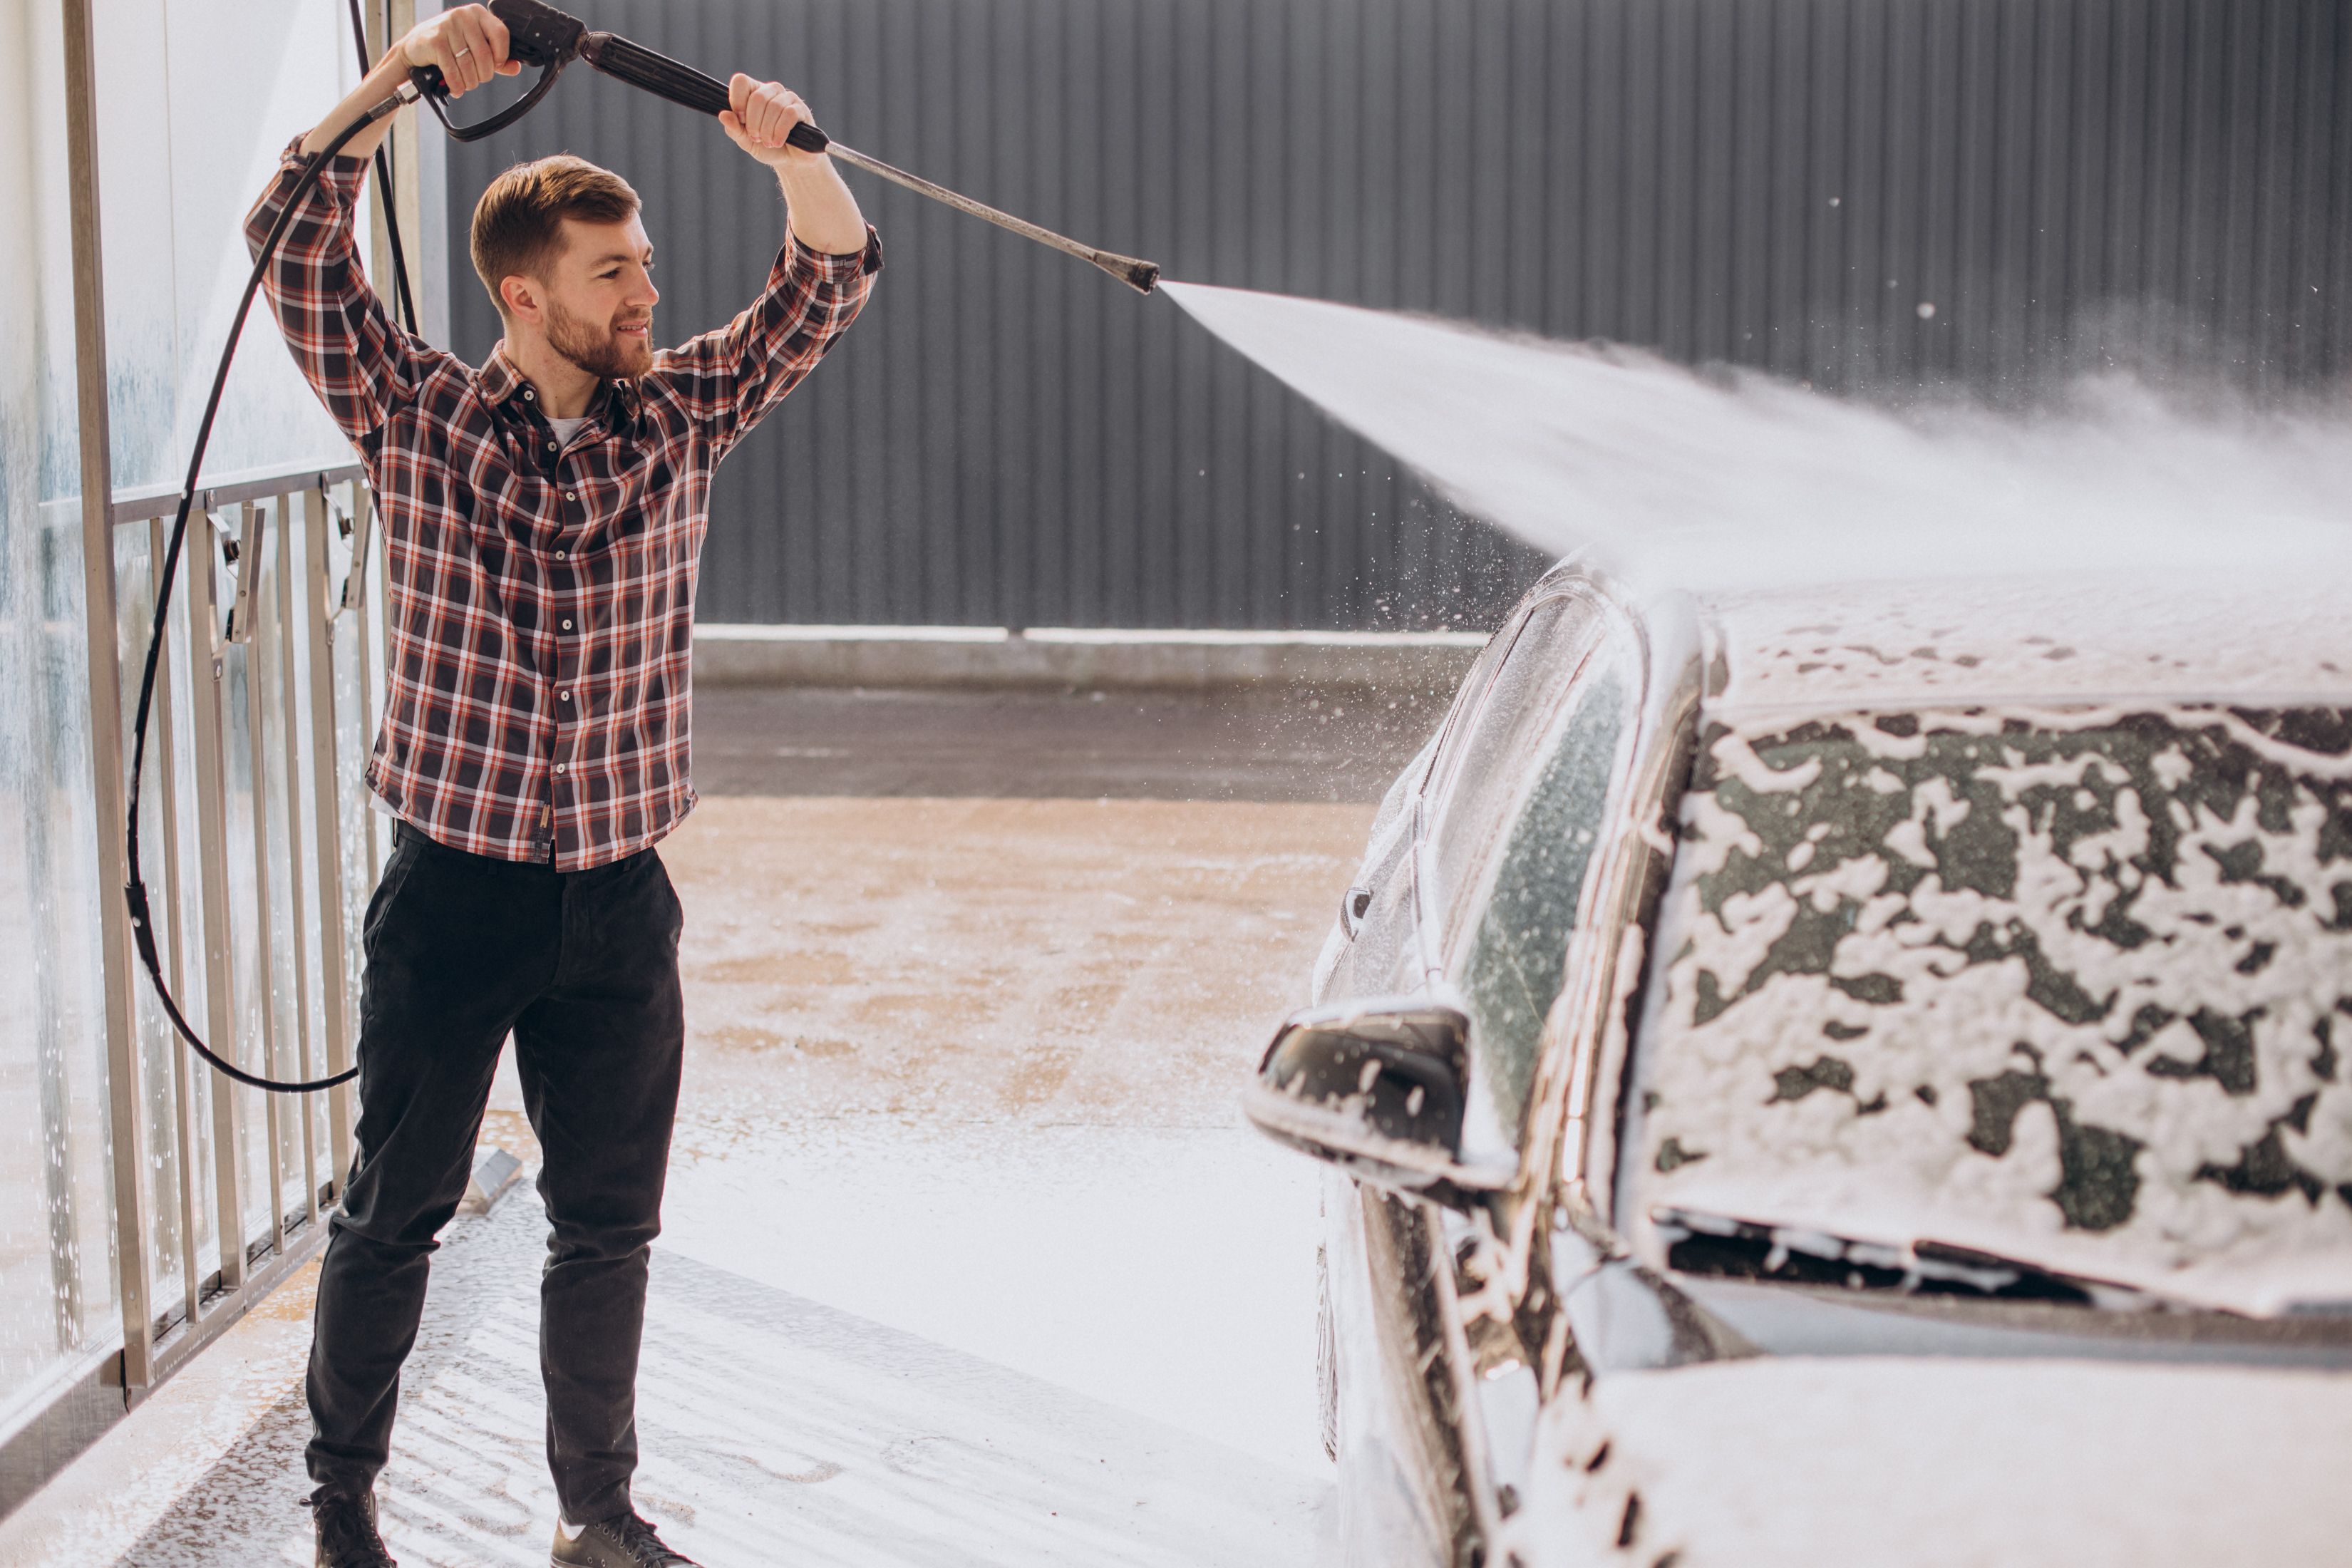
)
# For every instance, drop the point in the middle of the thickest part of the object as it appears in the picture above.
(542, 593)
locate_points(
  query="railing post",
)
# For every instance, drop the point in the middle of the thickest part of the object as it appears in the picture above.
(206, 718)
(290, 631)
(184, 1089)
(252, 552)
(375, 677)
(318, 611)
(131, 1224)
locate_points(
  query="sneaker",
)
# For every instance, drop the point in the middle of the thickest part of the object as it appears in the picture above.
(347, 1537)
(627, 1541)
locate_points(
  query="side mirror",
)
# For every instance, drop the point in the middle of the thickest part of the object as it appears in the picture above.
(1376, 1087)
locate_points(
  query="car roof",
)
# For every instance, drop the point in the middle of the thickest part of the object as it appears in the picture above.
(2259, 638)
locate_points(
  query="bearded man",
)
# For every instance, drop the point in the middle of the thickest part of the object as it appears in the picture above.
(543, 519)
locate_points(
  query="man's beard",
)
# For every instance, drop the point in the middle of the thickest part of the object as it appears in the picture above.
(601, 352)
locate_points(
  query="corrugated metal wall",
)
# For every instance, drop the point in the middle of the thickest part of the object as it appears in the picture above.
(1009, 437)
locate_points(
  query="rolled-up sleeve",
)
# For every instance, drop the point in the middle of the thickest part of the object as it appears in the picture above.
(727, 380)
(343, 341)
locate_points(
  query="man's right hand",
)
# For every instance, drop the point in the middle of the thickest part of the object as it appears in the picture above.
(468, 45)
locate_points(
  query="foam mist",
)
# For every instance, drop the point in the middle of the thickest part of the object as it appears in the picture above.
(1718, 483)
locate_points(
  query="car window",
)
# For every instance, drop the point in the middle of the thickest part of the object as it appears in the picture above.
(1489, 763)
(2067, 986)
(1515, 949)
(1453, 730)
(1382, 956)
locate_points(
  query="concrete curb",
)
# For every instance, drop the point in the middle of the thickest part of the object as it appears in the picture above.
(1060, 658)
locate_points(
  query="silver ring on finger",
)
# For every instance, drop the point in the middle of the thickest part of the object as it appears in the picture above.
(463, 53)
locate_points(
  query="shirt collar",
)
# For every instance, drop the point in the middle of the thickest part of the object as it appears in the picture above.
(502, 382)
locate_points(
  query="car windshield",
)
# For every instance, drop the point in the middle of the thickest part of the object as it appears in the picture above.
(2073, 987)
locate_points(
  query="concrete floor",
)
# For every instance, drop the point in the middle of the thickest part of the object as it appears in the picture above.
(968, 1257)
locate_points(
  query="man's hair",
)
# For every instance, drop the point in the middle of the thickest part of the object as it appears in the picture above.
(519, 222)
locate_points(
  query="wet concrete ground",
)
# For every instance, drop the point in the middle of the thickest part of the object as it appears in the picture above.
(968, 1257)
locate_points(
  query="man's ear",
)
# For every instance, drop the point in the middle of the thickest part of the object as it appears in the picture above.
(523, 296)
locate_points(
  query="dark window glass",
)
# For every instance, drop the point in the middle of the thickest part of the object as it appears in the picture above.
(1490, 762)
(1512, 969)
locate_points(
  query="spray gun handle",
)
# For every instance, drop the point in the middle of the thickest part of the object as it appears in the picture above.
(434, 91)
(537, 34)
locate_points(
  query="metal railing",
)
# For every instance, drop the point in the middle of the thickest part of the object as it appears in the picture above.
(260, 853)
(260, 850)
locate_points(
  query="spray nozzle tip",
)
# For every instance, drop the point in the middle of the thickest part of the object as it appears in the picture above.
(1140, 276)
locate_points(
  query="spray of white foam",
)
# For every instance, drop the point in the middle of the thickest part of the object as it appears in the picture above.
(1748, 481)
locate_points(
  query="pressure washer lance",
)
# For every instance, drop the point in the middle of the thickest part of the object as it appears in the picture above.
(538, 35)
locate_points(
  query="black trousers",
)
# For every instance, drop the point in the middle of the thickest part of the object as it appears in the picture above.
(582, 966)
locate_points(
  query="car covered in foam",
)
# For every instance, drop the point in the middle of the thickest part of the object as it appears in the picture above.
(1859, 1073)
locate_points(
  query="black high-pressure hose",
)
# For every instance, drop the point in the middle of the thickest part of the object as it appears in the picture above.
(541, 36)
(384, 189)
(142, 925)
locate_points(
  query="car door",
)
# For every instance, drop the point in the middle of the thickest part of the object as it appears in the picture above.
(1375, 947)
(1419, 1480)
(1524, 910)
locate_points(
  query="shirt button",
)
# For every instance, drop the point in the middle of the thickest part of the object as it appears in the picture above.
(558, 767)
(559, 555)
(565, 696)
(570, 495)
(567, 625)
(526, 394)
(551, 446)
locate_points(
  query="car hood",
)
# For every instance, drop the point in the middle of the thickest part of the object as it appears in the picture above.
(1920, 1462)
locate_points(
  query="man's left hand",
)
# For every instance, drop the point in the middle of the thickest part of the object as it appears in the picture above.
(824, 214)
(760, 115)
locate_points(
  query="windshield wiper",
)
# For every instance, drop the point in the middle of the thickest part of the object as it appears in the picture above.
(1700, 1242)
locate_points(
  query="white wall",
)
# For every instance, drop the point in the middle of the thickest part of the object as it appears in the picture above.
(57, 1298)
(197, 98)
